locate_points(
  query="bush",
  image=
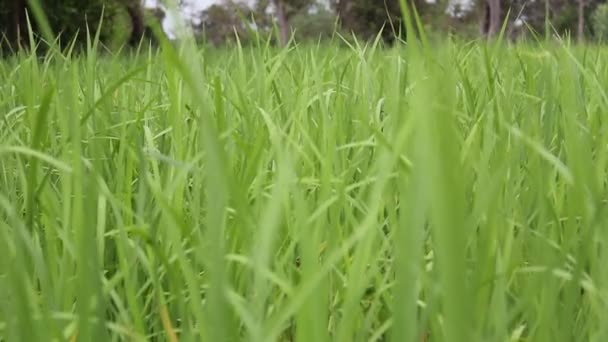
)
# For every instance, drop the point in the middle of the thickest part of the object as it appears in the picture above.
(319, 25)
(600, 22)
(70, 19)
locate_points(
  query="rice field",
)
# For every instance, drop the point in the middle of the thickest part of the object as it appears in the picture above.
(327, 192)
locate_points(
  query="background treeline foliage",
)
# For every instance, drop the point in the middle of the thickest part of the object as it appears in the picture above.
(127, 20)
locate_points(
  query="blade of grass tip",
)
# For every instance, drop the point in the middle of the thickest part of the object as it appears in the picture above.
(248, 27)
(420, 27)
(409, 27)
(91, 63)
(69, 50)
(390, 20)
(92, 45)
(33, 42)
(42, 21)
(504, 26)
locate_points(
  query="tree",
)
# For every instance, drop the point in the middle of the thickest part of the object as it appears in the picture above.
(600, 22)
(284, 11)
(69, 19)
(367, 18)
(585, 12)
(220, 22)
(281, 13)
(136, 14)
(316, 24)
(491, 20)
(580, 26)
(554, 16)
(12, 21)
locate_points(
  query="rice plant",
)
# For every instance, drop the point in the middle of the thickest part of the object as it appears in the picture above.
(329, 192)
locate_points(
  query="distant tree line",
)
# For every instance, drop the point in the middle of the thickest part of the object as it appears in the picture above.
(581, 19)
(127, 22)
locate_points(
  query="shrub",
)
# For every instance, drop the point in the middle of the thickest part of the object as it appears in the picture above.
(314, 25)
(600, 22)
(70, 19)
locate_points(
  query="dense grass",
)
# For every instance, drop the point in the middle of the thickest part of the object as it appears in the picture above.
(314, 193)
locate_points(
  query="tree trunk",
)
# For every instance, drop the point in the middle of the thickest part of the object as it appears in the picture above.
(341, 8)
(490, 21)
(580, 31)
(484, 20)
(137, 23)
(17, 27)
(283, 21)
(495, 22)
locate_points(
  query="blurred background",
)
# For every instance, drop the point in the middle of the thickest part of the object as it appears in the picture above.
(218, 21)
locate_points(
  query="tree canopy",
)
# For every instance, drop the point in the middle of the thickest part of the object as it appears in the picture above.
(70, 19)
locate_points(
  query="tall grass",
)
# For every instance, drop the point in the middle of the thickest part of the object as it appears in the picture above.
(313, 193)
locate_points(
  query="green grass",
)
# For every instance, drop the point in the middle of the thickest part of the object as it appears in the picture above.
(317, 193)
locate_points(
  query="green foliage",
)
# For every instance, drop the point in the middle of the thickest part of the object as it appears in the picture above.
(223, 23)
(564, 16)
(119, 30)
(600, 22)
(125, 22)
(70, 19)
(292, 7)
(319, 25)
(367, 18)
(305, 194)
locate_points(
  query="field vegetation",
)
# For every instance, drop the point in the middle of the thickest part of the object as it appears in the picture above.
(445, 191)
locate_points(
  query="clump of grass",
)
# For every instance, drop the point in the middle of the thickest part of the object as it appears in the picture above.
(318, 193)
